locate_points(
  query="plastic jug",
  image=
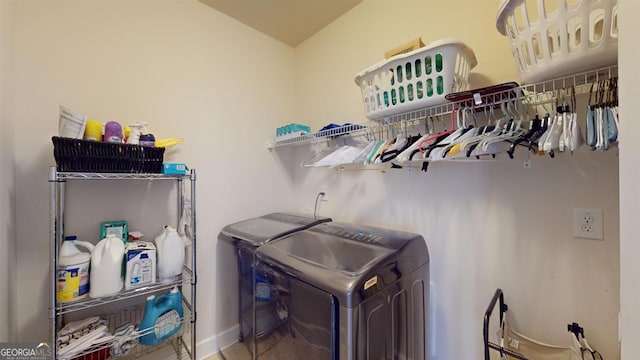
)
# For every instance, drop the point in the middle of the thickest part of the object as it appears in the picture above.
(170, 248)
(162, 317)
(73, 270)
(106, 267)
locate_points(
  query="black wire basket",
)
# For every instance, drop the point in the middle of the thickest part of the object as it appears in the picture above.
(75, 155)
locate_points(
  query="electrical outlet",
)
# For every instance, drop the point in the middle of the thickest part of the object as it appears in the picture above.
(587, 224)
(325, 190)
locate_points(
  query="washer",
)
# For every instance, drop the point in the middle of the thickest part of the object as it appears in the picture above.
(245, 237)
(347, 292)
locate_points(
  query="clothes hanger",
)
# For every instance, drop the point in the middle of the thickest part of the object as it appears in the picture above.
(371, 142)
(439, 136)
(573, 135)
(600, 144)
(552, 140)
(535, 125)
(586, 350)
(379, 142)
(400, 146)
(501, 126)
(498, 142)
(453, 147)
(469, 131)
(612, 124)
(590, 131)
(405, 155)
(549, 120)
(534, 139)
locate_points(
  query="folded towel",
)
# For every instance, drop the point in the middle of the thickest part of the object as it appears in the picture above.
(96, 338)
(125, 337)
(77, 329)
(74, 326)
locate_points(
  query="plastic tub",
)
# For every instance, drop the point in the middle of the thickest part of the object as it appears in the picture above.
(417, 79)
(553, 38)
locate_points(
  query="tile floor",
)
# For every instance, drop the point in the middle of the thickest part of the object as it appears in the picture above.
(237, 351)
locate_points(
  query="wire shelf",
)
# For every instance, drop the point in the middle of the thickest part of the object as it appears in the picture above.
(64, 308)
(115, 176)
(321, 135)
(134, 315)
(184, 342)
(532, 94)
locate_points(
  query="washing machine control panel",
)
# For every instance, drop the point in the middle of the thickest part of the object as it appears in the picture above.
(351, 234)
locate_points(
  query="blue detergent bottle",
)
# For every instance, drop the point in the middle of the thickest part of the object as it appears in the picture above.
(162, 318)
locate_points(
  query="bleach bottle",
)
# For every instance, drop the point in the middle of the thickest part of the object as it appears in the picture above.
(162, 317)
(73, 270)
(170, 247)
(106, 267)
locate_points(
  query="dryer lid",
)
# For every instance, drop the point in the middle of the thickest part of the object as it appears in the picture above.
(257, 231)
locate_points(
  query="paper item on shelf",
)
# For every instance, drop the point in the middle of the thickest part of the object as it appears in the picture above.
(71, 124)
(343, 155)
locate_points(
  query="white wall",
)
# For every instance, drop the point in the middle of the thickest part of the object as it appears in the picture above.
(187, 70)
(7, 203)
(487, 225)
(629, 177)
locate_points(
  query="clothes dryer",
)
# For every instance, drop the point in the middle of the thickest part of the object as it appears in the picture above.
(345, 292)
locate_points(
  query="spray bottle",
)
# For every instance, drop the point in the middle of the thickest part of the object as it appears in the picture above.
(137, 129)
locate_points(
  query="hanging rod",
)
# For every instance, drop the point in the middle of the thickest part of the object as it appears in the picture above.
(531, 93)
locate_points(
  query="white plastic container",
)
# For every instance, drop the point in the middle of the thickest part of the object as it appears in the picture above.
(73, 270)
(547, 43)
(71, 124)
(106, 267)
(170, 247)
(417, 79)
(140, 268)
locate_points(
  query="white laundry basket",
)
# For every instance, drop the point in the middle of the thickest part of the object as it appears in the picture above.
(417, 79)
(552, 38)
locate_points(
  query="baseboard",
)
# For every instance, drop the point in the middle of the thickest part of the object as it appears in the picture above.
(210, 346)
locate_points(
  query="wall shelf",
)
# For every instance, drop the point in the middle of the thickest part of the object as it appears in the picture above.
(116, 176)
(531, 94)
(64, 308)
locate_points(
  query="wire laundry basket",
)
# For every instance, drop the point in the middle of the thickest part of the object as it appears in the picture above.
(549, 42)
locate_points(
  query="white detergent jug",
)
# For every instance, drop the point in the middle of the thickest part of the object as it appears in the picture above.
(106, 267)
(170, 248)
(73, 270)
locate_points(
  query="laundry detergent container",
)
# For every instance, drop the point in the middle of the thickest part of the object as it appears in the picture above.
(236, 251)
(415, 80)
(550, 39)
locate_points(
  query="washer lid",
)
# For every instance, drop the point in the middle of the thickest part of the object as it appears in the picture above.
(331, 252)
(347, 248)
(270, 226)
